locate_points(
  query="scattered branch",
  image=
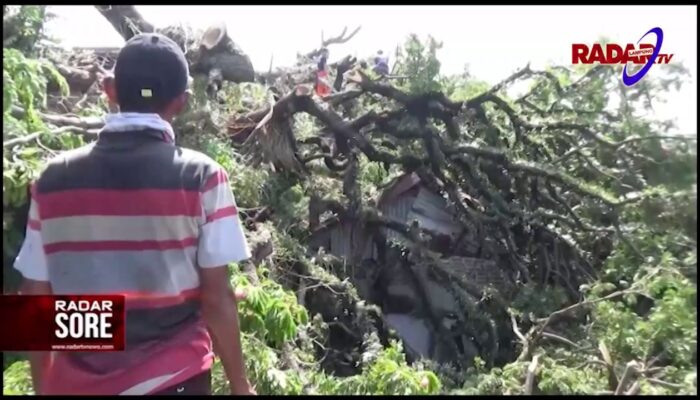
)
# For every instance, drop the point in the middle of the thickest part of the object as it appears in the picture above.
(560, 339)
(85, 123)
(627, 376)
(90, 133)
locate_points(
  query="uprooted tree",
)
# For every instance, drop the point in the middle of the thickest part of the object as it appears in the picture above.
(584, 208)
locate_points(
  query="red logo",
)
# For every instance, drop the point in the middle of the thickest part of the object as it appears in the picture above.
(645, 54)
(62, 323)
(615, 54)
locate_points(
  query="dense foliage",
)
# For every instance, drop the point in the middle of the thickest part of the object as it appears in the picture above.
(631, 330)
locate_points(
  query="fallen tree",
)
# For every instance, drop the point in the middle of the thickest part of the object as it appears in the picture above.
(561, 191)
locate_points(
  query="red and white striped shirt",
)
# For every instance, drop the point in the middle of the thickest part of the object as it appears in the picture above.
(133, 214)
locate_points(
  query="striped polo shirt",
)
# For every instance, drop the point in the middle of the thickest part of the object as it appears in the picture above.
(133, 214)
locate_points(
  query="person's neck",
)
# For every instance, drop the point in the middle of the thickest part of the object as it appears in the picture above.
(167, 117)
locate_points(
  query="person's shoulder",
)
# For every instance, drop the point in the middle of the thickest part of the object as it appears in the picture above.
(61, 166)
(68, 157)
(72, 154)
(195, 157)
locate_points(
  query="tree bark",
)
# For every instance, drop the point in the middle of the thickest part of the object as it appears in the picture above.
(229, 62)
(126, 20)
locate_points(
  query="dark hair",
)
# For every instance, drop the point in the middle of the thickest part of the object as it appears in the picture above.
(150, 72)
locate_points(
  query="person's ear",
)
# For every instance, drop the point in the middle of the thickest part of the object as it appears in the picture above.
(110, 89)
(178, 104)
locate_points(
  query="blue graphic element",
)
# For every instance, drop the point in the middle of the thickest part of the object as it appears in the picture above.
(631, 80)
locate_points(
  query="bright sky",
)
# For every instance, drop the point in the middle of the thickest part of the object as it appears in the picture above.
(493, 40)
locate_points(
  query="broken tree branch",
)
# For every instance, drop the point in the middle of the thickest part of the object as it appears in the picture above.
(530, 377)
(549, 335)
(126, 20)
(339, 38)
(90, 133)
(62, 120)
(627, 376)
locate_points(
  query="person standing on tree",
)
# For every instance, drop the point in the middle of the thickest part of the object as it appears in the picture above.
(322, 86)
(134, 214)
(381, 64)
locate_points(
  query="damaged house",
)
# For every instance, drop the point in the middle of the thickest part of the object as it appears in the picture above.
(423, 311)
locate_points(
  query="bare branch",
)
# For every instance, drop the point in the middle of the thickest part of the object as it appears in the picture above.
(85, 123)
(664, 383)
(634, 390)
(629, 374)
(609, 365)
(516, 330)
(561, 339)
(91, 133)
(530, 377)
(340, 38)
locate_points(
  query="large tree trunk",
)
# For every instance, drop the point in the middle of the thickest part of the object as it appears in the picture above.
(126, 20)
(215, 55)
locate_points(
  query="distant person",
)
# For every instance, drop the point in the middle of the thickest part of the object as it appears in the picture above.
(323, 87)
(381, 64)
(134, 214)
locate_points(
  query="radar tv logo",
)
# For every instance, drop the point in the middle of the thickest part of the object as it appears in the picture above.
(645, 54)
(62, 323)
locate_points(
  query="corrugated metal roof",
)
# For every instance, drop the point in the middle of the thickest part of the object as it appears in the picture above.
(414, 332)
(405, 201)
(346, 237)
(398, 211)
(430, 210)
(400, 186)
(478, 271)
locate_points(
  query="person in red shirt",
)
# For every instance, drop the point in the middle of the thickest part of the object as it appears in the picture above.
(134, 214)
(323, 88)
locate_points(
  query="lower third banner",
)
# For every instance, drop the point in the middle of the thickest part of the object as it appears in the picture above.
(62, 323)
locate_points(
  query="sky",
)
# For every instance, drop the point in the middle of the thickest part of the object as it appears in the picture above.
(493, 41)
